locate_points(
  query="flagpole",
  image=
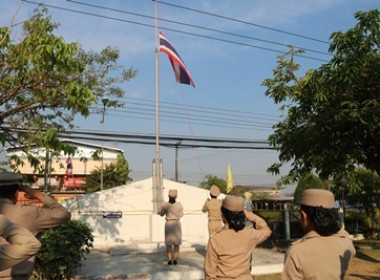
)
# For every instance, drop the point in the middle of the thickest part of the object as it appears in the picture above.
(157, 170)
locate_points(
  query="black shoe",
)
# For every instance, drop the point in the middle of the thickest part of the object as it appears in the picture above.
(170, 263)
(175, 262)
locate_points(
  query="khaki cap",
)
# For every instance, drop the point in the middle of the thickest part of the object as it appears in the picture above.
(9, 178)
(316, 198)
(233, 203)
(214, 190)
(173, 193)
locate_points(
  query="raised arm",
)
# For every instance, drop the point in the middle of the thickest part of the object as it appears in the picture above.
(22, 244)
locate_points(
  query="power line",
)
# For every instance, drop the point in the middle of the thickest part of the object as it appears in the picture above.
(201, 119)
(173, 30)
(199, 27)
(225, 111)
(245, 22)
(166, 140)
(210, 120)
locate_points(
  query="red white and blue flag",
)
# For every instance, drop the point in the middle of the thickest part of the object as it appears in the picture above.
(181, 73)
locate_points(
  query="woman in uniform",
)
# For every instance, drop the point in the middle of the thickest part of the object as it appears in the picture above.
(173, 232)
(326, 249)
(229, 252)
(213, 207)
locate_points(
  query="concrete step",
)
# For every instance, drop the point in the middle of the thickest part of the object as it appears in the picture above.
(101, 265)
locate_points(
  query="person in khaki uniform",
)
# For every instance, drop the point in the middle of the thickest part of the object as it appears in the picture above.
(248, 205)
(173, 232)
(229, 252)
(35, 219)
(213, 207)
(326, 250)
(21, 243)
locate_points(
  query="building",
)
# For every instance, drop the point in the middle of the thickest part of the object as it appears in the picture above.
(66, 172)
(124, 216)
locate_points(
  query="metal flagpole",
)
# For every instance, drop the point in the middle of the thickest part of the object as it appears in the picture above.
(157, 178)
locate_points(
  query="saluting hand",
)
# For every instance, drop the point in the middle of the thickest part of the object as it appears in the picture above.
(30, 193)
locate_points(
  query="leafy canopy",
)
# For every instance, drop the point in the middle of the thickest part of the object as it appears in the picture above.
(114, 174)
(46, 82)
(333, 112)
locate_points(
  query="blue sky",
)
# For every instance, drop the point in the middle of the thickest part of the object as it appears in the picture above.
(227, 75)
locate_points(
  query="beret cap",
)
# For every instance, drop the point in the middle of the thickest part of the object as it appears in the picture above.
(317, 198)
(173, 193)
(214, 190)
(233, 203)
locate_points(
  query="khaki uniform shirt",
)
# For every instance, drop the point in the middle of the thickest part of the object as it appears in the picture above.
(21, 244)
(319, 257)
(35, 219)
(213, 207)
(172, 211)
(229, 253)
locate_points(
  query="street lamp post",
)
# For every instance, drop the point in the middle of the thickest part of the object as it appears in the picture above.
(105, 101)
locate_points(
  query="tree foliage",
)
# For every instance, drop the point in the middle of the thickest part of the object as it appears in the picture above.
(364, 193)
(214, 180)
(46, 82)
(333, 112)
(62, 251)
(309, 181)
(114, 174)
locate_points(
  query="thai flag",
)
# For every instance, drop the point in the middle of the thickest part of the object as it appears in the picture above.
(182, 75)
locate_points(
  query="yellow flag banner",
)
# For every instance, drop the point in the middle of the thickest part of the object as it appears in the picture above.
(230, 180)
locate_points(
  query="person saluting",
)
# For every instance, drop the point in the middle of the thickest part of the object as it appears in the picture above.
(229, 252)
(173, 210)
(213, 207)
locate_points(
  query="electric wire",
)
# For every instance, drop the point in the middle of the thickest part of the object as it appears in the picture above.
(198, 108)
(166, 140)
(245, 22)
(210, 120)
(173, 30)
(200, 27)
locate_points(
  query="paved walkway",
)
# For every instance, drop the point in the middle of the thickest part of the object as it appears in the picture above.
(139, 264)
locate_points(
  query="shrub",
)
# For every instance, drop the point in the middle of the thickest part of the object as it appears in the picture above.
(62, 251)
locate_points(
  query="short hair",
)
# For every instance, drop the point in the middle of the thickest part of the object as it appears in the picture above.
(236, 220)
(326, 221)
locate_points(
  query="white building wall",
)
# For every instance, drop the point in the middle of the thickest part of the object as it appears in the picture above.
(138, 222)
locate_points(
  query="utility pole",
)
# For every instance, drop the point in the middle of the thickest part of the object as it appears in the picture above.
(176, 159)
(47, 162)
(105, 101)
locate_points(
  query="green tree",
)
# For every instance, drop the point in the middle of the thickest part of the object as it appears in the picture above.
(46, 82)
(364, 193)
(309, 181)
(114, 174)
(333, 112)
(62, 251)
(214, 180)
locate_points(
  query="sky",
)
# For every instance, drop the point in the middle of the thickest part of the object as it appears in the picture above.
(229, 48)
